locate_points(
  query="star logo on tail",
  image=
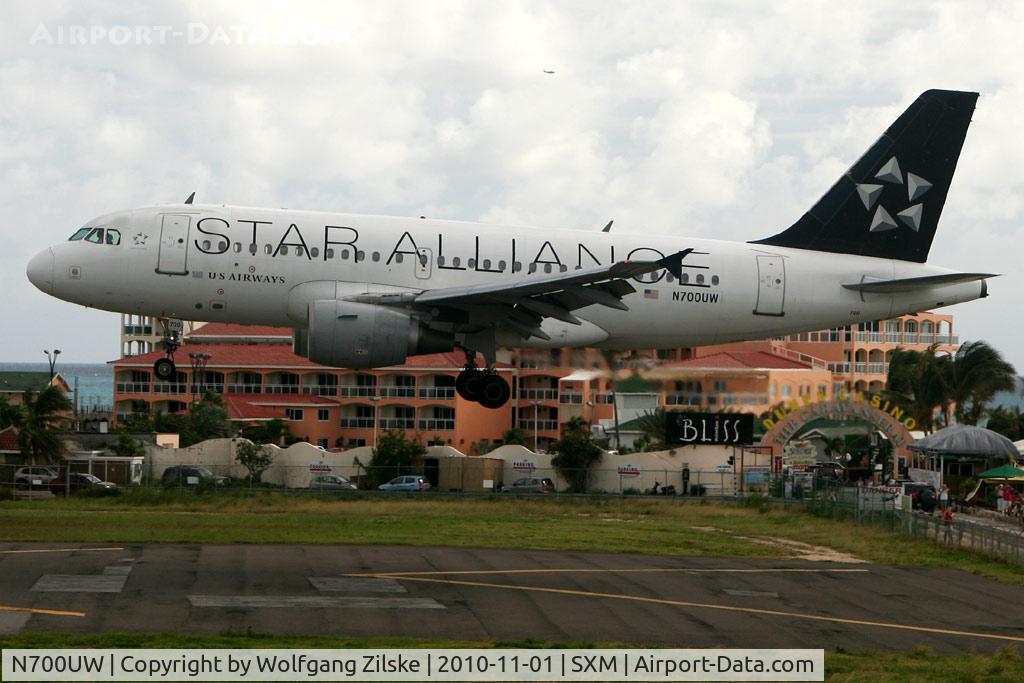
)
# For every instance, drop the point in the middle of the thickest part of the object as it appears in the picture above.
(890, 173)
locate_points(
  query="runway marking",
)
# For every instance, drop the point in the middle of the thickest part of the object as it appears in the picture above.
(33, 610)
(80, 583)
(727, 608)
(60, 550)
(308, 601)
(642, 570)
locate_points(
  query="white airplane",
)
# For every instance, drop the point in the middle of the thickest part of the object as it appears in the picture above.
(368, 291)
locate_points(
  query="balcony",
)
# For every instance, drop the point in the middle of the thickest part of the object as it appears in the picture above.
(397, 392)
(571, 398)
(719, 399)
(170, 388)
(280, 388)
(354, 391)
(245, 388)
(540, 425)
(437, 393)
(539, 394)
(134, 330)
(203, 387)
(397, 423)
(907, 338)
(133, 387)
(605, 398)
(846, 369)
(321, 389)
(357, 422)
(437, 425)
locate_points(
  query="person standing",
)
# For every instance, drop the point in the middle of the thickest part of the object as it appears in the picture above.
(1000, 502)
(1008, 494)
(944, 497)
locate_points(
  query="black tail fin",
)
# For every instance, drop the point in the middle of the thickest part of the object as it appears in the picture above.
(888, 203)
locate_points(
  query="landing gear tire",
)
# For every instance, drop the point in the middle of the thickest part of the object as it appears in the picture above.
(467, 384)
(164, 369)
(493, 392)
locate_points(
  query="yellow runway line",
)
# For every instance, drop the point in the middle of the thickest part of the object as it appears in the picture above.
(52, 612)
(59, 550)
(727, 608)
(641, 570)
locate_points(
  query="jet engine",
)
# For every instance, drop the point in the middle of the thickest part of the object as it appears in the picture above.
(344, 334)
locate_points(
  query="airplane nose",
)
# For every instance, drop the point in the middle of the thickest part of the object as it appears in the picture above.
(40, 271)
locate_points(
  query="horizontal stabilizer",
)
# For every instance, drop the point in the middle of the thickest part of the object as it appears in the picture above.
(910, 284)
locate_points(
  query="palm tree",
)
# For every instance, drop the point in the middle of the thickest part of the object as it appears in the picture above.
(918, 380)
(8, 413)
(975, 374)
(653, 425)
(39, 421)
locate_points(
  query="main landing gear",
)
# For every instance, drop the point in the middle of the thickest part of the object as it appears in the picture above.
(482, 386)
(164, 368)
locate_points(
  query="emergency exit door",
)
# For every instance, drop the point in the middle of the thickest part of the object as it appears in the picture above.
(771, 285)
(173, 256)
(424, 264)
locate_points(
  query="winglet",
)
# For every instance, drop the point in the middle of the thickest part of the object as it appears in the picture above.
(673, 263)
(608, 227)
(190, 198)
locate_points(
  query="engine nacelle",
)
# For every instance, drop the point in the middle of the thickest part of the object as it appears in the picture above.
(344, 334)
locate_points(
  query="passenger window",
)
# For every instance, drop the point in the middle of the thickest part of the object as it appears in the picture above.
(487, 264)
(517, 266)
(206, 245)
(113, 237)
(456, 261)
(563, 268)
(314, 252)
(329, 253)
(268, 249)
(222, 246)
(360, 256)
(376, 256)
(237, 247)
(399, 258)
(670, 278)
(714, 279)
(79, 234)
(547, 267)
(440, 260)
(532, 268)
(700, 279)
(686, 278)
(344, 254)
(283, 250)
(253, 248)
(471, 262)
(298, 251)
(501, 266)
(96, 236)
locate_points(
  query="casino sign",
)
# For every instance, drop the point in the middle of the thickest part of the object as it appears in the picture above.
(892, 420)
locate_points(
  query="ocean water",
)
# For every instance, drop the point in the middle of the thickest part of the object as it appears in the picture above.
(95, 380)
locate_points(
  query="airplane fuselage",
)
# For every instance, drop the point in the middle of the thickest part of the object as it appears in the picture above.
(264, 266)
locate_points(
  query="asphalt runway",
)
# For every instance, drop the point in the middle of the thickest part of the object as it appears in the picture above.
(484, 594)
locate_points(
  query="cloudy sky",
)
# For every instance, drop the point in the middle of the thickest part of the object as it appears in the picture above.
(710, 119)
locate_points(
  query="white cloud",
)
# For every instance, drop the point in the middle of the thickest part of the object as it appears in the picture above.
(723, 119)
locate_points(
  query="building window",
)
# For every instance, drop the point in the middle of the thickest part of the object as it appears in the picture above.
(322, 443)
(294, 414)
(787, 391)
(321, 414)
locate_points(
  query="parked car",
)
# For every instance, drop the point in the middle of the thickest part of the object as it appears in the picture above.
(408, 482)
(190, 475)
(531, 485)
(77, 482)
(331, 482)
(34, 476)
(922, 495)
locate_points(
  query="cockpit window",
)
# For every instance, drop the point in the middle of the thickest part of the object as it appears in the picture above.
(96, 236)
(113, 236)
(79, 234)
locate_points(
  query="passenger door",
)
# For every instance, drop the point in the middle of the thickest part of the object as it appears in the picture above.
(771, 285)
(173, 256)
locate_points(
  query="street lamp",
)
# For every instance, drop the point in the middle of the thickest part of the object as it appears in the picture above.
(536, 422)
(52, 358)
(198, 362)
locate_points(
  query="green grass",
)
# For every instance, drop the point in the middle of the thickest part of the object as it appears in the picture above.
(918, 665)
(635, 525)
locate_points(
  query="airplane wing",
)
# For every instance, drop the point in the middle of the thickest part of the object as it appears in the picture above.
(521, 306)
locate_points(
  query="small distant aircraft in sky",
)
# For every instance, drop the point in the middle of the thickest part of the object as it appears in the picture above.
(548, 71)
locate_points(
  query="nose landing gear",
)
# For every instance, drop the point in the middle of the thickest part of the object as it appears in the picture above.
(483, 386)
(164, 368)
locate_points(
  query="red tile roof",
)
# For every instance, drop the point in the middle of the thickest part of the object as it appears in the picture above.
(281, 356)
(9, 439)
(233, 330)
(734, 360)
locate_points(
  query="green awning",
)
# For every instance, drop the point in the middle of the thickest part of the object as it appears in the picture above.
(1002, 472)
